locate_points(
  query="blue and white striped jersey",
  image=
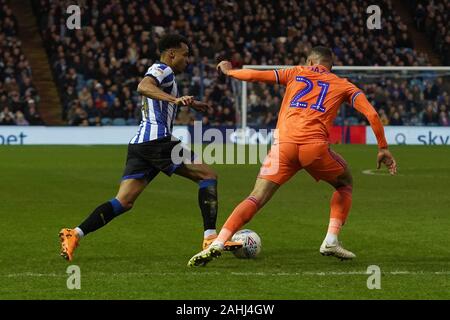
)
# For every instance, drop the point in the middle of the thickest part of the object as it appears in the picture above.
(158, 116)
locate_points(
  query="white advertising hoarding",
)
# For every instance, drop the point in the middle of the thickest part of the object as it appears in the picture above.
(412, 135)
(24, 135)
(110, 135)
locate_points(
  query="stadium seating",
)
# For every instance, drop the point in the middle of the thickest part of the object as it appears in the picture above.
(19, 99)
(432, 17)
(107, 58)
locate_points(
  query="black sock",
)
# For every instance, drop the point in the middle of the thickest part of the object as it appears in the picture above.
(207, 200)
(103, 214)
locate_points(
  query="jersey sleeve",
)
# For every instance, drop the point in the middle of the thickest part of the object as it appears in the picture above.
(284, 76)
(352, 92)
(360, 103)
(253, 75)
(161, 73)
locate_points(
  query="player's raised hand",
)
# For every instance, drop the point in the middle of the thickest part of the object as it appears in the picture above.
(224, 66)
(384, 156)
(200, 106)
(184, 101)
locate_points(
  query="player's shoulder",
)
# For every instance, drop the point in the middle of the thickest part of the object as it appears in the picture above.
(343, 81)
(298, 69)
(161, 68)
(294, 71)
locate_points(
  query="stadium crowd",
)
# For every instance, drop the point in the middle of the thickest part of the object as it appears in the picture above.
(97, 68)
(19, 99)
(432, 17)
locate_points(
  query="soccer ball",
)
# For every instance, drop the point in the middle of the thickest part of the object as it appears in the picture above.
(251, 244)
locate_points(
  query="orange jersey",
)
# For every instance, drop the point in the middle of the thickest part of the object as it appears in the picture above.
(311, 102)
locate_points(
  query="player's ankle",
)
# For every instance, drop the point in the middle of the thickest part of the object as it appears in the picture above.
(218, 244)
(78, 233)
(331, 238)
(210, 234)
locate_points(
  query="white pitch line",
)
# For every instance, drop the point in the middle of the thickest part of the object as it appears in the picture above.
(337, 273)
(372, 173)
(244, 274)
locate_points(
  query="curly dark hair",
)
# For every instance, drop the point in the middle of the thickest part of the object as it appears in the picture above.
(171, 41)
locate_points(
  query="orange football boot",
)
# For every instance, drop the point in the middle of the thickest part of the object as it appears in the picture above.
(229, 245)
(69, 242)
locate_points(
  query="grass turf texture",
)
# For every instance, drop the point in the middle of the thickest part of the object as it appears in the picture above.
(398, 223)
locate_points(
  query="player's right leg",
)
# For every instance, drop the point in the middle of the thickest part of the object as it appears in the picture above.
(129, 190)
(242, 214)
(280, 165)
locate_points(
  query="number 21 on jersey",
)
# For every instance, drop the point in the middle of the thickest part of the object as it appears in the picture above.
(297, 102)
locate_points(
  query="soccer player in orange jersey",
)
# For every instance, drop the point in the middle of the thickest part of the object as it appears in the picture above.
(310, 105)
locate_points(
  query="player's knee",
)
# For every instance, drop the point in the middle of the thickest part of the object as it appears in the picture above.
(345, 180)
(126, 204)
(260, 197)
(208, 174)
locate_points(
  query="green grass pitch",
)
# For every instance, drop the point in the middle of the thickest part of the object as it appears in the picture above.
(400, 224)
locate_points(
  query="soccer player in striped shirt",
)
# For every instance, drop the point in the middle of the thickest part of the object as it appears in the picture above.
(310, 105)
(150, 150)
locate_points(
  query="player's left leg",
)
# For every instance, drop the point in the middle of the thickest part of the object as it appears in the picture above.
(332, 168)
(341, 202)
(242, 214)
(129, 190)
(206, 178)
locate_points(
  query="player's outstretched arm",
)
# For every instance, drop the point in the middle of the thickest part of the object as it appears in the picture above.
(384, 156)
(247, 74)
(148, 87)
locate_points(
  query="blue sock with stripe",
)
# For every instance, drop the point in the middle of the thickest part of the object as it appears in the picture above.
(117, 207)
(103, 214)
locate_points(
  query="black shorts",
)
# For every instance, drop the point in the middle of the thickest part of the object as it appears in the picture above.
(145, 160)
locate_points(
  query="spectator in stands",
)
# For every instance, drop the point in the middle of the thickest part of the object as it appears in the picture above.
(20, 119)
(443, 116)
(383, 117)
(32, 115)
(414, 118)
(7, 117)
(92, 113)
(395, 119)
(228, 117)
(430, 117)
(117, 110)
(77, 116)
